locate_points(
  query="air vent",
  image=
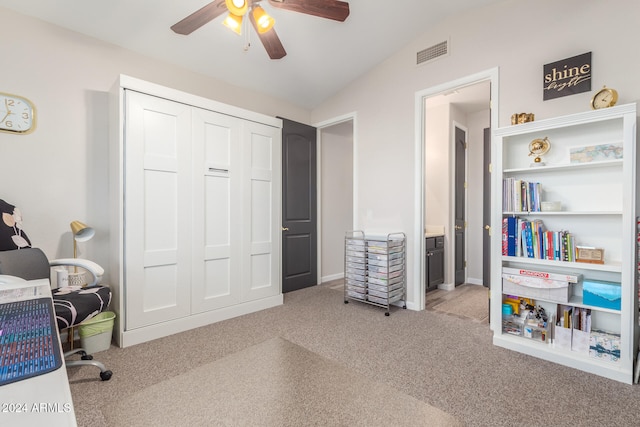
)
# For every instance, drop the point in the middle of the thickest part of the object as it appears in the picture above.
(433, 52)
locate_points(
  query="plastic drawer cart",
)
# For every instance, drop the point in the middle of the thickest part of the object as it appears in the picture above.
(375, 269)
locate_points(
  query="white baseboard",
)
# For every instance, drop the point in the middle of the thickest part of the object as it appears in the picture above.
(474, 281)
(151, 332)
(447, 286)
(331, 277)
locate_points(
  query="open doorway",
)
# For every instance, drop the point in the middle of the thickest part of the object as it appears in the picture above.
(336, 142)
(466, 104)
(454, 124)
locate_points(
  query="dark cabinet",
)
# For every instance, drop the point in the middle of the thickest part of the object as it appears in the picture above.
(435, 262)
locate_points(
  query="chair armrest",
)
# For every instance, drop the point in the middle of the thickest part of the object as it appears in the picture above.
(93, 268)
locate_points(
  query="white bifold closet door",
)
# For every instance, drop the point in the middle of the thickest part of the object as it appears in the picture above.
(217, 248)
(236, 198)
(157, 210)
(202, 197)
(261, 211)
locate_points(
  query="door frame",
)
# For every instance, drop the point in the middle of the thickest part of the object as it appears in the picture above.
(418, 288)
(320, 126)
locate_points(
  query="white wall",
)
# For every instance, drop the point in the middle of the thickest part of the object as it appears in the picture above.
(336, 150)
(499, 35)
(59, 173)
(437, 164)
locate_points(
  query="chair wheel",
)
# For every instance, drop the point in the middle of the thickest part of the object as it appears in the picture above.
(86, 357)
(346, 302)
(106, 375)
(386, 314)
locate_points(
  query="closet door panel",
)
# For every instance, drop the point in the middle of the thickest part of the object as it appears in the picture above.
(217, 196)
(157, 200)
(262, 201)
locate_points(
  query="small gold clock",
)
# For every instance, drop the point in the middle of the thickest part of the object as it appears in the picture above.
(604, 98)
(17, 114)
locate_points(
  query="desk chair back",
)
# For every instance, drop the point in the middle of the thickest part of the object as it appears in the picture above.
(27, 263)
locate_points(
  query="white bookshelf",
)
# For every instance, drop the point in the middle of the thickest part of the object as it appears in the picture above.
(599, 209)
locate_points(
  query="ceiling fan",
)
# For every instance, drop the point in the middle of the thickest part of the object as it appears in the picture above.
(261, 22)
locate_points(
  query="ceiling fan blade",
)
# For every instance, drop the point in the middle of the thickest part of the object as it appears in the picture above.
(270, 41)
(200, 17)
(330, 9)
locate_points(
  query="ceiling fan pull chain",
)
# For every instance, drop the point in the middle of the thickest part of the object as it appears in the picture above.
(247, 35)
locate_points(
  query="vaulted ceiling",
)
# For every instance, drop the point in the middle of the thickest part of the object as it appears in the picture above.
(323, 56)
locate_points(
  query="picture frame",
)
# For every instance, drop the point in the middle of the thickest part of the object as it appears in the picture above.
(596, 153)
(589, 255)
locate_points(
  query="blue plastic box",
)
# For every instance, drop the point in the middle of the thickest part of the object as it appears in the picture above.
(601, 294)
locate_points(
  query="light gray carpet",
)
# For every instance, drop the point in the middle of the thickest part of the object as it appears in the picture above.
(272, 383)
(441, 360)
(472, 304)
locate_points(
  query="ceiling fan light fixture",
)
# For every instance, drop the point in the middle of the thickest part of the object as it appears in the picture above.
(237, 7)
(233, 22)
(263, 20)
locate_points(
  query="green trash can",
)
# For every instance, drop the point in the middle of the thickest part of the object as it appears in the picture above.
(95, 333)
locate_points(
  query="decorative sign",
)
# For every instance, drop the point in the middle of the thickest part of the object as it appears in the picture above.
(567, 77)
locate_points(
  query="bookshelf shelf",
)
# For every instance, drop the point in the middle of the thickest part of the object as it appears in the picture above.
(576, 301)
(563, 357)
(562, 213)
(578, 167)
(613, 267)
(599, 207)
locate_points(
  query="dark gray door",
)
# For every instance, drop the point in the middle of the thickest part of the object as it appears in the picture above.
(486, 216)
(459, 220)
(486, 211)
(299, 206)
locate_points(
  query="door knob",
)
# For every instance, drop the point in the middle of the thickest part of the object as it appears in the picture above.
(285, 228)
(457, 227)
(487, 227)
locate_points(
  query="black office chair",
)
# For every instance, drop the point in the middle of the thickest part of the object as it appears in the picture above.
(72, 305)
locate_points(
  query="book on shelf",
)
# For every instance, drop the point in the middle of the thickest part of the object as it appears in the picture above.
(567, 315)
(521, 196)
(576, 318)
(504, 237)
(509, 236)
(529, 239)
(582, 319)
(581, 325)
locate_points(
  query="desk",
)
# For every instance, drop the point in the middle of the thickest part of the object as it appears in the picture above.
(44, 400)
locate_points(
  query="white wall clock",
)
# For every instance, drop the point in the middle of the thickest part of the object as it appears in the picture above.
(17, 114)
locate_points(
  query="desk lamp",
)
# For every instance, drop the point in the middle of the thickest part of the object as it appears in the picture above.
(81, 233)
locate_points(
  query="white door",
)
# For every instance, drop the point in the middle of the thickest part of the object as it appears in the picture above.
(261, 213)
(217, 194)
(157, 206)
(236, 199)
